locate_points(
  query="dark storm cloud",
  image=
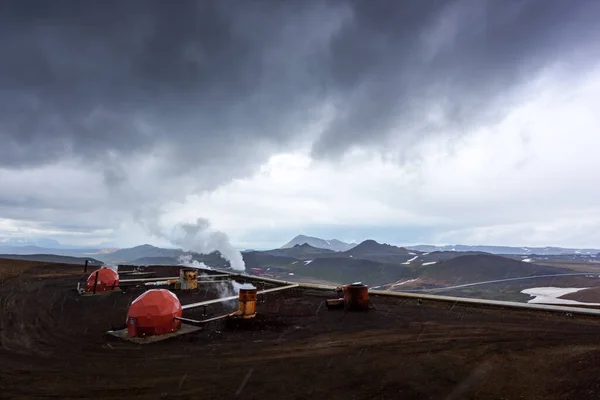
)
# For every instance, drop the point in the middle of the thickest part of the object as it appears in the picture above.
(206, 79)
(228, 82)
(395, 62)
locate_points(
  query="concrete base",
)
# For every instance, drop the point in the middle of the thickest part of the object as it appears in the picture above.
(185, 329)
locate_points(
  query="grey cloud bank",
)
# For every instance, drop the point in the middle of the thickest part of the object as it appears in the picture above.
(206, 79)
(141, 103)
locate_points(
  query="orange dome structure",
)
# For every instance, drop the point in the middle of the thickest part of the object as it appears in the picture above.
(108, 279)
(153, 313)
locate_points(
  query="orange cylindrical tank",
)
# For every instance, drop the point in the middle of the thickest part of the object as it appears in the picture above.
(356, 297)
(247, 303)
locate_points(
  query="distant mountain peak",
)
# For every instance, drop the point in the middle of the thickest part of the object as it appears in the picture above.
(372, 246)
(304, 246)
(373, 243)
(315, 242)
(145, 246)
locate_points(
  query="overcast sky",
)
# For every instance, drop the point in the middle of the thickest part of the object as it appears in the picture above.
(470, 121)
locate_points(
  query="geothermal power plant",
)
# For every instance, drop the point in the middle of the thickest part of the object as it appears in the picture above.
(158, 313)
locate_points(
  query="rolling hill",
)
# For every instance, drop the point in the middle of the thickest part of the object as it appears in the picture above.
(30, 250)
(446, 255)
(28, 241)
(589, 295)
(481, 267)
(505, 250)
(139, 252)
(260, 259)
(301, 252)
(345, 270)
(147, 254)
(426, 270)
(51, 258)
(371, 250)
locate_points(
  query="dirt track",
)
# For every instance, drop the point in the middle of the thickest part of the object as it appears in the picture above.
(53, 345)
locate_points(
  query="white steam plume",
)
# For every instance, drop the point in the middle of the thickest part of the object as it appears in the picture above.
(188, 261)
(113, 267)
(237, 286)
(223, 288)
(199, 237)
(231, 288)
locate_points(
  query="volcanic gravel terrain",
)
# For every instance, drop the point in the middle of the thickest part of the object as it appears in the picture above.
(53, 344)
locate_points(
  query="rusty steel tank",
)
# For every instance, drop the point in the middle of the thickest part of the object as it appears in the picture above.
(247, 303)
(188, 279)
(356, 297)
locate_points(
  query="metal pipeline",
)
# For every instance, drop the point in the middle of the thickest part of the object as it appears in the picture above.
(280, 282)
(246, 304)
(289, 286)
(140, 280)
(223, 299)
(204, 321)
(140, 275)
(207, 302)
(161, 283)
(497, 303)
(458, 300)
(172, 282)
(170, 278)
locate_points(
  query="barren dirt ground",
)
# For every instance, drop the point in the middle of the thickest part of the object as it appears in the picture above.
(53, 345)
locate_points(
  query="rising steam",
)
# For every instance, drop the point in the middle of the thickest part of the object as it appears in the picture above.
(188, 261)
(199, 237)
(227, 288)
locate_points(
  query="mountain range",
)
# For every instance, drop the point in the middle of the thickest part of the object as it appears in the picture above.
(26, 245)
(373, 263)
(338, 245)
(315, 248)
(508, 249)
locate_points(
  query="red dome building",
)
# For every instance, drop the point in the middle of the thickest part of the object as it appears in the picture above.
(108, 279)
(153, 313)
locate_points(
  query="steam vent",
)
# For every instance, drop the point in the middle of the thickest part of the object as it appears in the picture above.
(108, 279)
(153, 313)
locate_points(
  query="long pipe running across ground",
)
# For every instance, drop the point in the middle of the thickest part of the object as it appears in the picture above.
(223, 299)
(432, 297)
(171, 278)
